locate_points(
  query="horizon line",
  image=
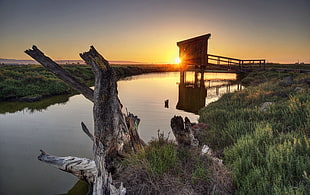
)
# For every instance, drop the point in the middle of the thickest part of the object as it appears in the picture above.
(20, 61)
(26, 61)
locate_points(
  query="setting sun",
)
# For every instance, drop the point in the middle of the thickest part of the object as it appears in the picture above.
(177, 60)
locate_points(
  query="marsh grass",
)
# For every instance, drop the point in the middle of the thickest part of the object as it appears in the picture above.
(161, 157)
(267, 151)
(32, 82)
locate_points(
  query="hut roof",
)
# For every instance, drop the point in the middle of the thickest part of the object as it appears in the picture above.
(199, 38)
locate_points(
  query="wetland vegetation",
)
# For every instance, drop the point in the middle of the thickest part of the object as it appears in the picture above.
(34, 82)
(262, 132)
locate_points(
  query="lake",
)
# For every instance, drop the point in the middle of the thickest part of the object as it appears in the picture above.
(53, 124)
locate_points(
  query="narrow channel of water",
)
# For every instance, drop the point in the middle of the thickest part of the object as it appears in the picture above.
(53, 125)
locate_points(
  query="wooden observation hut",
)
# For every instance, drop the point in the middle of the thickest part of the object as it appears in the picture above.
(194, 51)
(195, 59)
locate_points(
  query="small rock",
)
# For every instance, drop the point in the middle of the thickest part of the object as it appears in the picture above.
(287, 81)
(205, 149)
(297, 89)
(264, 106)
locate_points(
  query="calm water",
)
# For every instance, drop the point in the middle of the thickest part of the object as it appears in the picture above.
(53, 125)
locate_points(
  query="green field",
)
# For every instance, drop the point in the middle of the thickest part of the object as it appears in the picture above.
(268, 148)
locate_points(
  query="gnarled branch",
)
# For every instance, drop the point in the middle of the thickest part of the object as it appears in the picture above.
(52, 66)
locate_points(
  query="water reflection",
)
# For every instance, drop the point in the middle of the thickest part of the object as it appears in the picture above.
(12, 107)
(197, 87)
(56, 127)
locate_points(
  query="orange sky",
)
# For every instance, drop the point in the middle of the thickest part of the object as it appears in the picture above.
(147, 31)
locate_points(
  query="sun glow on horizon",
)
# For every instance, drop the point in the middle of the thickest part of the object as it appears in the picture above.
(177, 60)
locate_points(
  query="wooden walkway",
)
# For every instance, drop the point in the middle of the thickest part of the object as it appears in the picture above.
(236, 64)
(216, 62)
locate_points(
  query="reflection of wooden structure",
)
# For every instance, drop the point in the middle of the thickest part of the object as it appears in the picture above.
(194, 52)
(192, 94)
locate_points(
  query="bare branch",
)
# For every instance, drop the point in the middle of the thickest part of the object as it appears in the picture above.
(88, 133)
(52, 66)
(83, 168)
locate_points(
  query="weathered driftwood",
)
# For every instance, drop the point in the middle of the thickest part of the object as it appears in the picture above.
(114, 134)
(83, 168)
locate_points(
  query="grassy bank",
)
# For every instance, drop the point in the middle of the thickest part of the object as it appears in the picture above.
(33, 82)
(164, 168)
(263, 133)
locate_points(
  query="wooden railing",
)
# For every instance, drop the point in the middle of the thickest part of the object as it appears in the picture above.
(234, 63)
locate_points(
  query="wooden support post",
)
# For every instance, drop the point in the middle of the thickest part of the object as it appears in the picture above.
(196, 78)
(202, 79)
(264, 62)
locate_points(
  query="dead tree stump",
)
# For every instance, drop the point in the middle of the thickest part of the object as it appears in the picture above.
(114, 133)
(182, 131)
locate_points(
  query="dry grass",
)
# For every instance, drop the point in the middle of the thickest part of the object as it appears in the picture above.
(193, 174)
(222, 181)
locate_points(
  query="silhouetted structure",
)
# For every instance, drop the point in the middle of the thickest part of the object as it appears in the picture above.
(194, 53)
(194, 57)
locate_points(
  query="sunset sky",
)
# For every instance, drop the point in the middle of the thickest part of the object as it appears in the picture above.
(147, 30)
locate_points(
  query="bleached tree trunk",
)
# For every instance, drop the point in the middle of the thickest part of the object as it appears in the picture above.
(114, 133)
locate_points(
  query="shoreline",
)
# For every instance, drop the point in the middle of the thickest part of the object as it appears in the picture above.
(30, 83)
(15, 79)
